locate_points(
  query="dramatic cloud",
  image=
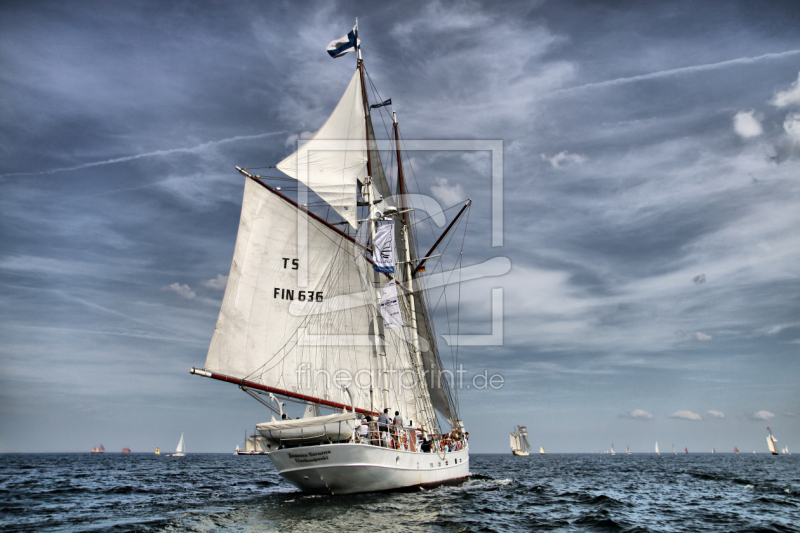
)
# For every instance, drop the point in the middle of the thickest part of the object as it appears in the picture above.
(217, 283)
(446, 193)
(638, 414)
(762, 415)
(686, 415)
(702, 336)
(564, 159)
(699, 279)
(792, 126)
(184, 291)
(791, 96)
(715, 414)
(746, 125)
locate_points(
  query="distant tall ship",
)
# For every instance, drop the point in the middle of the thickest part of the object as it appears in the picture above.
(98, 449)
(771, 443)
(657, 452)
(785, 451)
(126, 450)
(254, 444)
(519, 441)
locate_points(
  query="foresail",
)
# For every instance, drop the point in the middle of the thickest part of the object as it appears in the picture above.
(335, 158)
(277, 332)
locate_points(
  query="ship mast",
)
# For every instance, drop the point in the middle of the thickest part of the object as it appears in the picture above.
(427, 410)
(367, 191)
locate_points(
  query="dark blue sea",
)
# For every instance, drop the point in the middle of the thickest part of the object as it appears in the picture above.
(210, 492)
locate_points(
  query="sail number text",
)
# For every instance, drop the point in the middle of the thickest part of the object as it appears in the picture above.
(289, 294)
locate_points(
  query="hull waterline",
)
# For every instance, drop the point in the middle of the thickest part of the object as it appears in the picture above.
(353, 468)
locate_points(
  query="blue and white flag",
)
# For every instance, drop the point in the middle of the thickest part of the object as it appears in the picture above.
(348, 43)
(384, 103)
(383, 249)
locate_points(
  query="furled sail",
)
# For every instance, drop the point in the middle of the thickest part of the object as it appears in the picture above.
(335, 158)
(301, 348)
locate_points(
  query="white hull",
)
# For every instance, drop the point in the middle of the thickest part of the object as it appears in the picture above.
(178, 454)
(522, 453)
(350, 468)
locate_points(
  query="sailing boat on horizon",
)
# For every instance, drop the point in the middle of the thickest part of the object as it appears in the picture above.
(612, 449)
(627, 450)
(309, 296)
(771, 443)
(657, 452)
(519, 441)
(180, 451)
(673, 450)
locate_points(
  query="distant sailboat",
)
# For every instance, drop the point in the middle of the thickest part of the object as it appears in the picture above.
(686, 450)
(126, 450)
(785, 451)
(98, 449)
(673, 450)
(735, 449)
(519, 441)
(713, 450)
(627, 450)
(541, 450)
(180, 451)
(771, 443)
(657, 452)
(157, 452)
(612, 449)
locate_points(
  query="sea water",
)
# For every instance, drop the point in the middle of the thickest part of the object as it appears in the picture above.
(215, 492)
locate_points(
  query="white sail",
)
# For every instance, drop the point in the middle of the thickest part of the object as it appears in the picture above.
(181, 447)
(612, 449)
(258, 336)
(771, 444)
(541, 450)
(335, 158)
(513, 442)
(526, 443)
(659, 453)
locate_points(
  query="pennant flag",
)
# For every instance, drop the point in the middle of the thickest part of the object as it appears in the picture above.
(383, 249)
(384, 103)
(348, 43)
(390, 307)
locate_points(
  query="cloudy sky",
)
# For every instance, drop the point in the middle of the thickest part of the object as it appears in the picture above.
(651, 159)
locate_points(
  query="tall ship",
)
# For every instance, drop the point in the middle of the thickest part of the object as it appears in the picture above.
(519, 441)
(254, 444)
(771, 443)
(98, 449)
(326, 306)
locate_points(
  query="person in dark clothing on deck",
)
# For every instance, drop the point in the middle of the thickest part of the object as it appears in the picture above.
(383, 426)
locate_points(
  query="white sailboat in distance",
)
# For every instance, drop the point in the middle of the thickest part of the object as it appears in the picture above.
(329, 308)
(657, 452)
(180, 451)
(519, 441)
(627, 450)
(612, 449)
